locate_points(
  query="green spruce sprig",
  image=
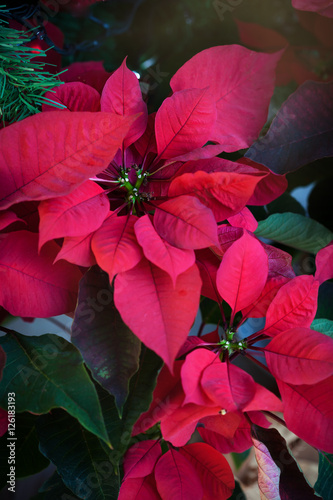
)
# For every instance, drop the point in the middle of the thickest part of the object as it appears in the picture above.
(23, 81)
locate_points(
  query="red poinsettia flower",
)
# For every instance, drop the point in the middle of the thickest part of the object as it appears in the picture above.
(209, 390)
(193, 471)
(137, 194)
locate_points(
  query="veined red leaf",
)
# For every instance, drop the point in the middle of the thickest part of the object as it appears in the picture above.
(213, 469)
(141, 458)
(7, 218)
(300, 356)
(225, 193)
(228, 385)
(227, 236)
(244, 219)
(279, 262)
(122, 95)
(31, 285)
(76, 96)
(259, 307)
(176, 478)
(242, 92)
(186, 223)
(50, 154)
(294, 305)
(191, 372)
(159, 313)
(243, 272)
(172, 260)
(167, 397)
(279, 476)
(115, 246)
(324, 264)
(184, 121)
(139, 488)
(77, 250)
(309, 412)
(77, 214)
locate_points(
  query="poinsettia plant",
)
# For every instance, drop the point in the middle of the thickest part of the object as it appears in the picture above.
(136, 223)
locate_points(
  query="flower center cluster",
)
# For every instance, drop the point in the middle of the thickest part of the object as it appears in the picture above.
(132, 179)
(229, 344)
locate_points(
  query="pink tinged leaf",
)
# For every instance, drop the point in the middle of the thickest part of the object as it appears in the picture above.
(324, 264)
(139, 488)
(50, 154)
(279, 476)
(228, 385)
(7, 218)
(243, 272)
(76, 214)
(279, 262)
(309, 412)
(115, 246)
(172, 260)
(31, 285)
(244, 219)
(213, 469)
(122, 95)
(141, 458)
(242, 92)
(184, 122)
(76, 96)
(167, 397)
(77, 250)
(294, 305)
(163, 315)
(268, 472)
(176, 478)
(300, 356)
(225, 193)
(192, 368)
(259, 307)
(186, 223)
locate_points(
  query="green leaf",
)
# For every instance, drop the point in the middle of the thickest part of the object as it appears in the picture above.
(140, 396)
(55, 489)
(107, 345)
(28, 459)
(324, 326)
(296, 231)
(82, 460)
(324, 483)
(48, 372)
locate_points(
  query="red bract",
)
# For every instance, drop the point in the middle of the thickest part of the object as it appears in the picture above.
(155, 176)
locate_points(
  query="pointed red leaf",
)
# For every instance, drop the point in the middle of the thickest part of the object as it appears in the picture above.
(243, 272)
(122, 95)
(244, 219)
(264, 400)
(228, 385)
(294, 305)
(213, 469)
(141, 458)
(186, 223)
(309, 412)
(324, 264)
(77, 250)
(242, 92)
(77, 214)
(184, 122)
(268, 472)
(191, 372)
(225, 193)
(172, 260)
(176, 478)
(259, 307)
(30, 284)
(76, 96)
(139, 488)
(115, 246)
(159, 313)
(50, 154)
(300, 356)
(7, 218)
